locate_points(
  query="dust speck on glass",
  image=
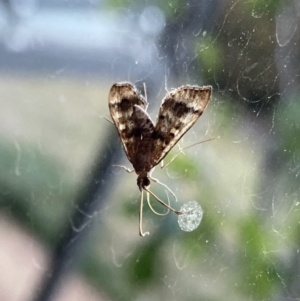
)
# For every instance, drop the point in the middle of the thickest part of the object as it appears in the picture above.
(191, 217)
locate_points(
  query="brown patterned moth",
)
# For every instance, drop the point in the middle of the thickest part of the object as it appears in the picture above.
(145, 143)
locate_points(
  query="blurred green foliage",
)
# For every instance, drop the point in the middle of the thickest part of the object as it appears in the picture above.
(173, 10)
(35, 188)
(261, 8)
(210, 56)
(258, 274)
(288, 127)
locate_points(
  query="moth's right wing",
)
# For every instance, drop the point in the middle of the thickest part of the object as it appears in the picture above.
(121, 101)
(179, 110)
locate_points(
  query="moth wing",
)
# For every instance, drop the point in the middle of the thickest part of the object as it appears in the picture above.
(122, 99)
(179, 110)
(144, 122)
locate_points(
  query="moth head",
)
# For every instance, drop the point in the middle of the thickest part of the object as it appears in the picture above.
(143, 182)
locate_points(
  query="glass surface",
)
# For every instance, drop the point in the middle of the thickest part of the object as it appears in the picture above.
(69, 218)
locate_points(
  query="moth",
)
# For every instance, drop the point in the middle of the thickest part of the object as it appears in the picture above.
(145, 143)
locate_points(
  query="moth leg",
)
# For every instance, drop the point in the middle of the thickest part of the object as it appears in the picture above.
(153, 210)
(126, 168)
(181, 150)
(163, 203)
(141, 217)
(158, 182)
(162, 164)
(174, 157)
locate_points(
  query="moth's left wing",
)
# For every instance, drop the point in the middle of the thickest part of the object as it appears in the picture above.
(123, 97)
(179, 110)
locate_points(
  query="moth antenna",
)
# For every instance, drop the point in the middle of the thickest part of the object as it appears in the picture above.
(166, 187)
(181, 149)
(141, 217)
(145, 92)
(163, 203)
(107, 119)
(153, 210)
(166, 84)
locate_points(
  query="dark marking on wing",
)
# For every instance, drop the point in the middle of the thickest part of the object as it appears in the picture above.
(122, 99)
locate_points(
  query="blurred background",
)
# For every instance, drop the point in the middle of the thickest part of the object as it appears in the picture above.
(69, 219)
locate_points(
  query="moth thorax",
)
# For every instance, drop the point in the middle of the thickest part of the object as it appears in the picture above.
(143, 181)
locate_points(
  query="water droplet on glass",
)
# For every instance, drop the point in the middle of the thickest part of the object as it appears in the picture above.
(191, 217)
